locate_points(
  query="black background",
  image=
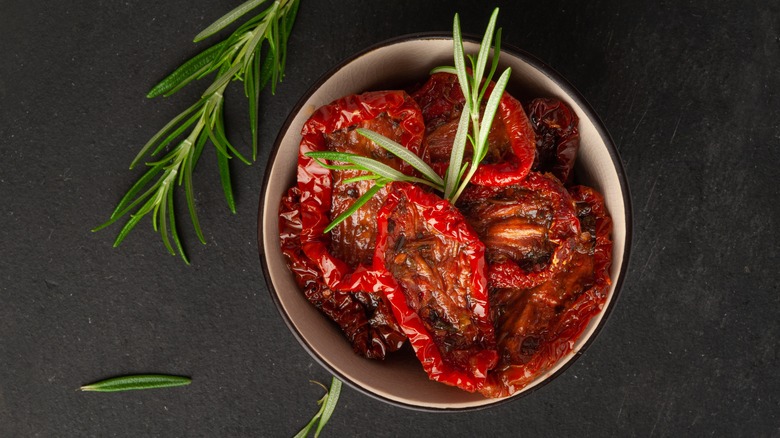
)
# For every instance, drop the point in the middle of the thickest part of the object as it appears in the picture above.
(688, 90)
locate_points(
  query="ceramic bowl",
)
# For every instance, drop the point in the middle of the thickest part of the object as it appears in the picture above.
(397, 63)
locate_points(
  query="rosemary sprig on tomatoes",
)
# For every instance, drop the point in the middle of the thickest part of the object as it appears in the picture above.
(255, 54)
(473, 127)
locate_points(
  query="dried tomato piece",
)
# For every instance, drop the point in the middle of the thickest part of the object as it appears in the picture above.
(530, 229)
(557, 137)
(433, 268)
(537, 326)
(511, 139)
(365, 319)
(343, 254)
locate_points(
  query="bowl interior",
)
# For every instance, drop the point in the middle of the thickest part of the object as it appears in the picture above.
(395, 64)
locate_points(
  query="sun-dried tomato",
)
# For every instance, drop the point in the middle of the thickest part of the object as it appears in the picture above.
(433, 270)
(557, 137)
(537, 326)
(511, 139)
(530, 229)
(343, 254)
(365, 319)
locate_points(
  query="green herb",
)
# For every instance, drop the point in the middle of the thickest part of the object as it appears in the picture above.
(255, 53)
(141, 381)
(327, 405)
(473, 126)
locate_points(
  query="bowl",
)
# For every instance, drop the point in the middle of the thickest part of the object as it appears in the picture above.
(397, 63)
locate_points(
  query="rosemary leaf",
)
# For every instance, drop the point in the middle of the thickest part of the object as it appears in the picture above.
(456, 155)
(484, 51)
(359, 202)
(330, 405)
(228, 19)
(224, 176)
(136, 382)
(490, 112)
(187, 71)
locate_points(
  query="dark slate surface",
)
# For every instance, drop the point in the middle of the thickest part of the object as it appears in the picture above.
(689, 91)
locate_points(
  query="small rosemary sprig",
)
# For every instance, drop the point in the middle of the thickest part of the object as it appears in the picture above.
(473, 126)
(327, 406)
(255, 53)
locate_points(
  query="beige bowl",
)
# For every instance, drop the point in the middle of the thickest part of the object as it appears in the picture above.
(397, 63)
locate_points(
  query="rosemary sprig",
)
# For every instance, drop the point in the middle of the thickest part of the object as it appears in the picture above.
(473, 127)
(327, 406)
(135, 382)
(255, 53)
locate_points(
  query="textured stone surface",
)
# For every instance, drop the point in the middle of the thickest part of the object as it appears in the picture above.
(689, 91)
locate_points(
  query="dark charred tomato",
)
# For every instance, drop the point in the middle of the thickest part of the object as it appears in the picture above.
(365, 319)
(324, 195)
(511, 139)
(435, 282)
(557, 137)
(537, 326)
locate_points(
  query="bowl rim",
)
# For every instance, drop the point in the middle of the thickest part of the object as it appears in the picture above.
(570, 91)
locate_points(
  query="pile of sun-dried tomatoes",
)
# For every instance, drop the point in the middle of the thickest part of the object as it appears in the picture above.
(490, 292)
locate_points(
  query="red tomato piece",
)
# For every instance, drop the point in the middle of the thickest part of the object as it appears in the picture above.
(365, 319)
(511, 140)
(537, 326)
(557, 137)
(433, 267)
(343, 255)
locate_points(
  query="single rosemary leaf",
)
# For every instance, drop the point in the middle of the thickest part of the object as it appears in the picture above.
(359, 202)
(289, 19)
(205, 70)
(490, 112)
(187, 71)
(494, 64)
(224, 176)
(174, 232)
(253, 94)
(266, 70)
(482, 57)
(460, 63)
(228, 19)
(188, 189)
(163, 207)
(287, 31)
(260, 33)
(220, 132)
(131, 223)
(330, 405)
(444, 69)
(135, 382)
(456, 155)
